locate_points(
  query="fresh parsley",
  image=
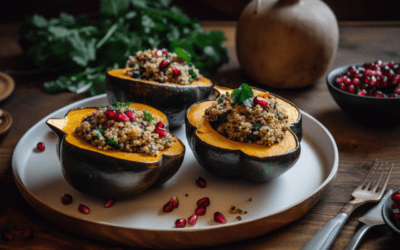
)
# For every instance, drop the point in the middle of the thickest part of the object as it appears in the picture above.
(192, 74)
(148, 116)
(80, 50)
(256, 126)
(183, 54)
(227, 93)
(243, 95)
(167, 141)
(253, 137)
(220, 100)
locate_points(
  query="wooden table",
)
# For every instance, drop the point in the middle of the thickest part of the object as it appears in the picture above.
(358, 146)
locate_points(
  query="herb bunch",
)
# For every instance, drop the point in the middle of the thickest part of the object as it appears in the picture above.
(81, 51)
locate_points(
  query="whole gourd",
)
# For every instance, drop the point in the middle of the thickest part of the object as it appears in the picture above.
(286, 43)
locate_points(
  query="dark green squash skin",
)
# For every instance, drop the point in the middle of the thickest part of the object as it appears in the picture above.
(172, 100)
(229, 163)
(104, 176)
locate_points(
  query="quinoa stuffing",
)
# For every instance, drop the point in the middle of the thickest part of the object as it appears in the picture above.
(123, 128)
(240, 117)
(162, 66)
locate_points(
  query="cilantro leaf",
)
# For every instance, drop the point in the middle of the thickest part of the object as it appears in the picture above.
(243, 95)
(147, 116)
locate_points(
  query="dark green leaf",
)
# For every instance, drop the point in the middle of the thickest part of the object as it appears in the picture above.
(147, 116)
(253, 137)
(220, 100)
(256, 126)
(184, 54)
(111, 142)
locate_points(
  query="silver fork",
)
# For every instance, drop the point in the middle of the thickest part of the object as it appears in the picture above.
(324, 238)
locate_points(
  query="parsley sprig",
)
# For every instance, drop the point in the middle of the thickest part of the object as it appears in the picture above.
(118, 105)
(148, 116)
(243, 95)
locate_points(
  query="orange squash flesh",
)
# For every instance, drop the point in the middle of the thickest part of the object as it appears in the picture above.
(120, 73)
(75, 117)
(206, 133)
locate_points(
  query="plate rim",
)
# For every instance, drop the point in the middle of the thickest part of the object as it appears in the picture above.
(9, 81)
(38, 205)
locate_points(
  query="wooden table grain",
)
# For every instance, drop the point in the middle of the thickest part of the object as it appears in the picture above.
(358, 146)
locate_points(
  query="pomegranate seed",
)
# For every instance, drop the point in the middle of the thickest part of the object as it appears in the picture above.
(6, 235)
(395, 206)
(111, 114)
(121, 117)
(369, 72)
(383, 83)
(168, 207)
(95, 112)
(391, 64)
(260, 101)
(220, 218)
(351, 88)
(362, 92)
(83, 209)
(201, 182)
(397, 90)
(342, 86)
(164, 64)
(175, 202)
(161, 132)
(192, 220)
(357, 75)
(347, 81)
(203, 202)
(378, 62)
(27, 234)
(373, 81)
(396, 79)
(164, 51)
(366, 65)
(176, 72)
(364, 86)
(355, 82)
(40, 146)
(351, 69)
(378, 94)
(109, 203)
(66, 199)
(396, 198)
(130, 115)
(158, 53)
(179, 223)
(393, 95)
(160, 125)
(201, 210)
(339, 80)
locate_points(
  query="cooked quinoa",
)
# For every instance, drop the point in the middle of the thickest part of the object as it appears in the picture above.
(107, 131)
(161, 66)
(237, 122)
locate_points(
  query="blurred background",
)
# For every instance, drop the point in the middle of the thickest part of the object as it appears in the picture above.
(345, 10)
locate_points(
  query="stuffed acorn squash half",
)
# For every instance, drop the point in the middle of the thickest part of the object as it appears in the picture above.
(234, 135)
(160, 79)
(116, 151)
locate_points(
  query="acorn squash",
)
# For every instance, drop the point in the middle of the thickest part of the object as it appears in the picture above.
(170, 98)
(112, 173)
(227, 158)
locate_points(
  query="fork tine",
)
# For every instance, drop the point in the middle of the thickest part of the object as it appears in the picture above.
(369, 172)
(373, 177)
(386, 182)
(380, 178)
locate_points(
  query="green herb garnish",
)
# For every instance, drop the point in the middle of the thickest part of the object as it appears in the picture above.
(80, 50)
(256, 126)
(100, 133)
(100, 107)
(167, 141)
(274, 106)
(147, 116)
(227, 93)
(253, 137)
(135, 73)
(220, 100)
(144, 129)
(116, 105)
(111, 142)
(243, 95)
(184, 54)
(192, 74)
(224, 115)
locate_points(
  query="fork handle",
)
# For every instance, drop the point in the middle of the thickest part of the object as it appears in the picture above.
(357, 237)
(324, 238)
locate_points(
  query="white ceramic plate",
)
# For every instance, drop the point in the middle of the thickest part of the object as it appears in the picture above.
(137, 221)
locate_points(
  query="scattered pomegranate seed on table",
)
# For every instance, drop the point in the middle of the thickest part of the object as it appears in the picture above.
(175, 202)
(219, 218)
(66, 199)
(83, 209)
(40, 146)
(200, 211)
(203, 202)
(380, 80)
(27, 234)
(395, 209)
(179, 223)
(6, 235)
(192, 220)
(109, 203)
(201, 182)
(168, 207)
